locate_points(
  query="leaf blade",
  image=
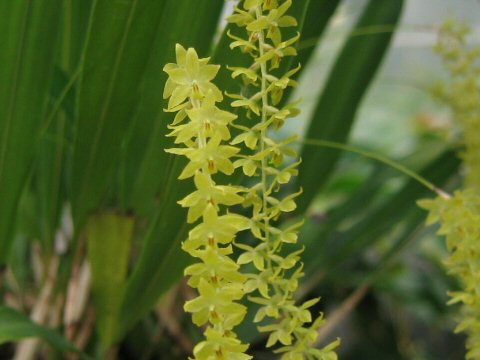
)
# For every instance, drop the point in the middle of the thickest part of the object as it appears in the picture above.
(335, 111)
(28, 40)
(109, 237)
(15, 326)
(118, 45)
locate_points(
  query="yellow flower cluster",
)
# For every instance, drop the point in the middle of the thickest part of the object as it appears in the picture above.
(202, 128)
(462, 94)
(278, 269)
(459, 215)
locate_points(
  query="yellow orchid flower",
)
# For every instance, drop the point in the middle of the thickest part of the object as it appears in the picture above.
(189, 78)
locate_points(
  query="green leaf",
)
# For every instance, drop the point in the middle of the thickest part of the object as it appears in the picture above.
(49, 179)
(50, 174)
(316, 17)
(161, 261)
(15, 326)
(118, 45)
(348, 81)
(147, 166)
(28, 37)
(109, 238)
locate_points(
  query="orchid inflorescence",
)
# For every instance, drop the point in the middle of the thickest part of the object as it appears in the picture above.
(277, 276)
(459, 215)
(266, 269)
(203, 128)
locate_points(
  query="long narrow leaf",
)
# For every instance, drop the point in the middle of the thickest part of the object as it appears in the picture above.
(348, 81)
(119, 42)
(15, 326)
(27, 39)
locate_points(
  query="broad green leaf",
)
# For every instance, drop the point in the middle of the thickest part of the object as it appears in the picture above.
(15, 326)
(154, 189)
(118, 45)
(109, 238)
(27, 39)
(147, 166)
(348, 81)
(75, 21)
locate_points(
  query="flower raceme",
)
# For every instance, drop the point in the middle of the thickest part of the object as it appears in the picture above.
(204, 133)
(275, 258)
(202, 128)
(459, 215)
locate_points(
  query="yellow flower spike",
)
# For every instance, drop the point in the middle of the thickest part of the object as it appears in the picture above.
(214, 300)
(213, 157)
(201, 129)
(459, 215)
(289, 325)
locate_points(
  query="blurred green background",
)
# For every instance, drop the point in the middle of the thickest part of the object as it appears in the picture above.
(90, 231)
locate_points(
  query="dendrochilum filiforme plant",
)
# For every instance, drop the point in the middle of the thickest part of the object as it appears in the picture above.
(459, 215)
(269, 268)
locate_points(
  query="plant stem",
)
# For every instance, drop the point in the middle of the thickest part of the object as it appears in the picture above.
(263, 131)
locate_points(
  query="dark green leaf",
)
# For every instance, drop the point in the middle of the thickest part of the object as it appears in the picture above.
(15, 326)
(119, 42)
(27, 39)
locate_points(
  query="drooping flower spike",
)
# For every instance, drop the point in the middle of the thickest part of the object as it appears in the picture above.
(459, 215)
(203, 128)
(290, 326)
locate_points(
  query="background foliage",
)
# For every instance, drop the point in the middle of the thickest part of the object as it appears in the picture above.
(90, 230)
